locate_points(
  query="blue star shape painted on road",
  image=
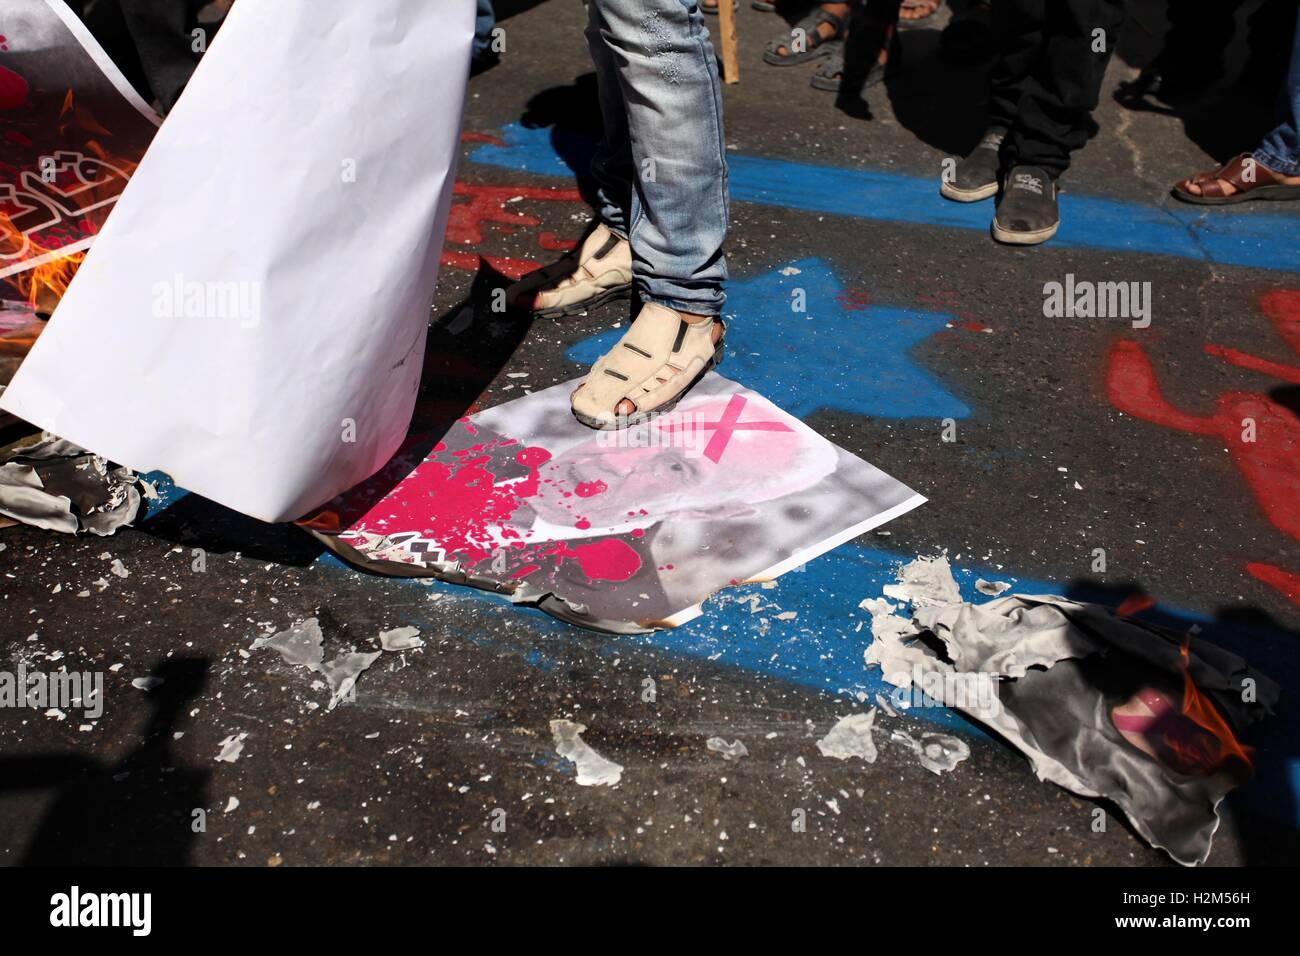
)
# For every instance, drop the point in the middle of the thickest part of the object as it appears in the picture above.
(831, 356)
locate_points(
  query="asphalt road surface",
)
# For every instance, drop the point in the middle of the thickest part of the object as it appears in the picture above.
(445, 754)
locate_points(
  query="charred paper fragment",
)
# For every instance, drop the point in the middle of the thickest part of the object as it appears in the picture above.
(299, 645)
(1102, 705)
(56, 485)
(342, 674)
(302, 646)
(925, 582)
(937, 753)
(730, 751)
(593, 769)
(851, 737)
(231, 748)
(400, 639)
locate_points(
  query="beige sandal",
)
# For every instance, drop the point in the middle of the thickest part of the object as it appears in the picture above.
(598, 271)
(658, 361)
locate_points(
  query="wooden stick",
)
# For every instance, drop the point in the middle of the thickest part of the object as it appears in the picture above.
(727, 38)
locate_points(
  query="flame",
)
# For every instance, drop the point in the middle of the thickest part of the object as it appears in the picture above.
(324, 521)
(1217, 746)
(44, 285)
(1135, 604)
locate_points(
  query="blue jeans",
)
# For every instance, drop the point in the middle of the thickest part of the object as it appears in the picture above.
(661, 167)
(1280, 150)
(485, 19)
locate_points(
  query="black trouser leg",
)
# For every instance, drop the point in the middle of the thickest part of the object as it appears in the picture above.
(161, 30)
(1199, 33)
(1062, 89)
(1269, 30)
(1019, 31)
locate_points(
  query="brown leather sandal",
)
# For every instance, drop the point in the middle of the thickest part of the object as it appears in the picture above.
(1251, 180)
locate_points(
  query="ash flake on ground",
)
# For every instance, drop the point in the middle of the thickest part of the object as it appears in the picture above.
(851, 737)
(231, 748)
(730, 751)
(593, 769)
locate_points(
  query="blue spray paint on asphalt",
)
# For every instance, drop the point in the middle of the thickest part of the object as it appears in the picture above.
(1263, 241)
(780, 346)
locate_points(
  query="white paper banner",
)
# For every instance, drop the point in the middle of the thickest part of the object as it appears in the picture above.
(251, 319)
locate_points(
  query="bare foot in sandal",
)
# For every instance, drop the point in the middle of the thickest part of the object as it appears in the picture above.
(810, 37)
(1240, 180)
(914, 11)
(657, 361)
(830, 75)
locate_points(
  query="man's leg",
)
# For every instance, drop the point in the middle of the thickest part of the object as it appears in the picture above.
(1018, 29)
(485, 21)
(668, 78)
(1054, 112)
(1280, 150)
(600, 269)
(611, 164)
(161, 30)
(1060, 95)
(1192, 57)
(1275, 174)
(1268, 46)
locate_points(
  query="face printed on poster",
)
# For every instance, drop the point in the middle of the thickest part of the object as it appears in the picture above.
(627, 528)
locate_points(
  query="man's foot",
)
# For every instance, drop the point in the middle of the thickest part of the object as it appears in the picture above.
(830, 74)
(1027, 212)
(916, 11)
(976, 176)
(810, 37)
(1241, 180)
(598, 271)
(657, 361)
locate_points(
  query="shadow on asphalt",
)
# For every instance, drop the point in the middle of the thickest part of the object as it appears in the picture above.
(137, 811)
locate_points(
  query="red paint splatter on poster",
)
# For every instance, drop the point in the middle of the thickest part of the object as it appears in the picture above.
(608, 559)
(13, 90)
(456, 501)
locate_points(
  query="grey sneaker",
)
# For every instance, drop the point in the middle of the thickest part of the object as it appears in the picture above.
(1027, 213)
(976, 176)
